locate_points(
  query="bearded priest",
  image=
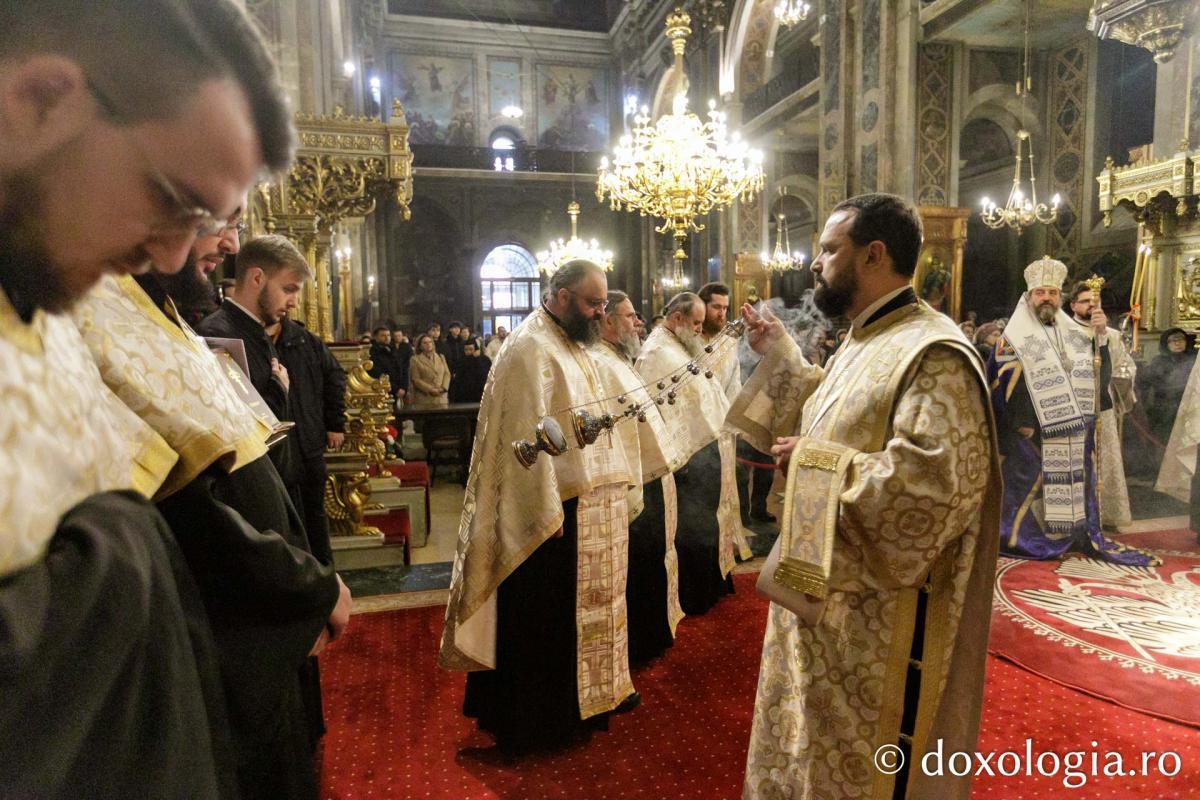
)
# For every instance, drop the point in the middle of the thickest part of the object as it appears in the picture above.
(652, 587)
(537, 599)
(1044, 394)
(710, 530)
(882, 575)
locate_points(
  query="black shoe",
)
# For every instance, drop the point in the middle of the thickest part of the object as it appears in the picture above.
(762, 516)
(628, 704)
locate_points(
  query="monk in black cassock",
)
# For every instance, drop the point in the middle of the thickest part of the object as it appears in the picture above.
(108, 682)
(467, 384)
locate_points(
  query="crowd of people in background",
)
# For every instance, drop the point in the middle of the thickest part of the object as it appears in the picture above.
(433, 369)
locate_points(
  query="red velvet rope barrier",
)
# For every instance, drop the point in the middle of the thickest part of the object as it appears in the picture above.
(756, 464)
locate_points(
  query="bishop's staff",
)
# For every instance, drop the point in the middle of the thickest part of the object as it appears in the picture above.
(1094, 284)
(548, 436)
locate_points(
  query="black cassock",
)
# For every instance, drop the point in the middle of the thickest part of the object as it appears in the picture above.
(697, 542)
(530, 701)
(108, 677)
(646, 586)
(268, 600)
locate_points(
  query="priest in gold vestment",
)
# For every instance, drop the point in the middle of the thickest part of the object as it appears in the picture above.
(270, 602)
(888, 543)
(710, 526)
(537, 598)
(109, 678)
(652, 588)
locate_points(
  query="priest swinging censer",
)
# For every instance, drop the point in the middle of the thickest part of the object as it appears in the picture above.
(549, 437)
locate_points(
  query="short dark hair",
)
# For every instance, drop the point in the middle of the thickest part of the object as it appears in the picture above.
(1078, 289)
(615, 298)
(454, 324)
(889, 219)
(144, 58)
(570, 275)
(709, 289)
(379, 328)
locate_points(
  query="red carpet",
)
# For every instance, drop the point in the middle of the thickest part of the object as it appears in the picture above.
(1127, 635)
(396, 729)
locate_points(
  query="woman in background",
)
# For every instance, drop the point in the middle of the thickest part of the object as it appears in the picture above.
(428, 376)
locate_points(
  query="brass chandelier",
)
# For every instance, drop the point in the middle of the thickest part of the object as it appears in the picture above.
(573, 249)
(678, 168)
(791, 12)
(783, 259)
(1020, 211)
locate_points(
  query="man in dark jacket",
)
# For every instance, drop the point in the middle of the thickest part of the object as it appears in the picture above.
(318, 403)
(269, 274)
(467, 384)
(385, 360)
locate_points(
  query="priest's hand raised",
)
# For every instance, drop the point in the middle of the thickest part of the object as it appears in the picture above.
(762, 330)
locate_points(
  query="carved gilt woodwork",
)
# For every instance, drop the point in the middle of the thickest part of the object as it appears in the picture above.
(343, 165)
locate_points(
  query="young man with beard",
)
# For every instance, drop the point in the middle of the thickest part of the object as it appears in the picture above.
(710, 524)
(890, 518)
(1044, 395)
(269, 275)
(1115, 403)
(192, 289)
(386, 360)
(105, 167)
(652, 586)
(269, 602)
(537, 599)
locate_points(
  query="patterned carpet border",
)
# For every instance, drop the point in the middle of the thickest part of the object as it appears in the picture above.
(1127, 635)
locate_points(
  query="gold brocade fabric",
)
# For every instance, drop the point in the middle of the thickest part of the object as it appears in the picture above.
(509, 511)
(1114, 502)
(167, 375)
(63, 435)
(601, 567)
(919, 507)
(1180, 461)
(696, 419)
(648, 444)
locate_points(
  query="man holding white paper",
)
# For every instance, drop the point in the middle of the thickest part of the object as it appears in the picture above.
(888, 537)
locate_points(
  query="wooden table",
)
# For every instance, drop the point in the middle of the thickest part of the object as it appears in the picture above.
(468, 411)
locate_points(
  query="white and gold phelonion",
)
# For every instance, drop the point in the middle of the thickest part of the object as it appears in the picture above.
(587, 425)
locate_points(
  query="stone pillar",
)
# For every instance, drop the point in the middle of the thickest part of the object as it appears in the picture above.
(1067, 140)
(837, 61)
(935, 185)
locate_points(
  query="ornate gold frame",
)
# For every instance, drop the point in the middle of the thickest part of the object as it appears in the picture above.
(343, 165)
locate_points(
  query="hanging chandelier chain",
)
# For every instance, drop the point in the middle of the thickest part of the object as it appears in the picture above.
(1020, 211)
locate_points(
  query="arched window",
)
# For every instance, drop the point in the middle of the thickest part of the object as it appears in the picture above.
(509, 287)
